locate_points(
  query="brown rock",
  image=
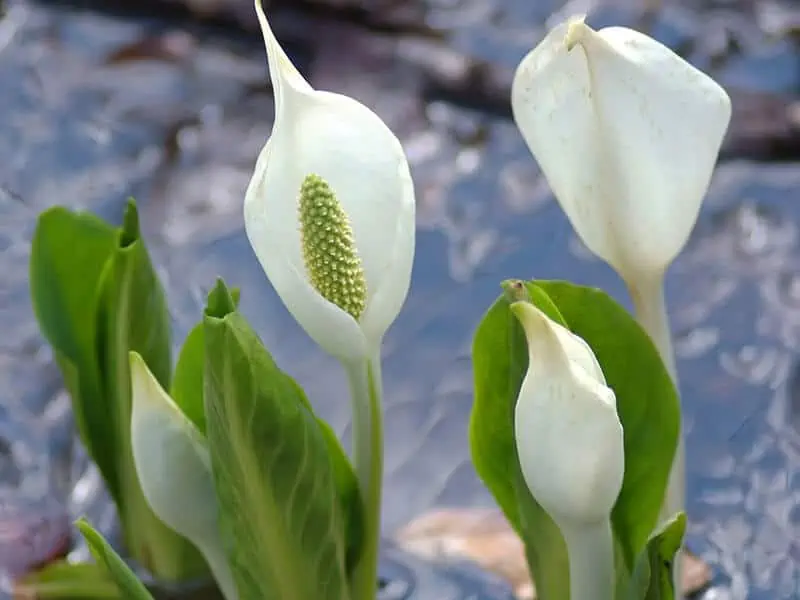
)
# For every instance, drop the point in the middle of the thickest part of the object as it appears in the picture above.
(484, 536)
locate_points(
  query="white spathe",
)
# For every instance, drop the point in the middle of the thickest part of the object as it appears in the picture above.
(352, 149)
(627, 134)
(569, 436)
(173, 466)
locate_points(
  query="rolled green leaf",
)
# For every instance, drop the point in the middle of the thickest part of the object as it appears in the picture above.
(187, 381)
(68, 254)
(96, 297)
(187, 384)
(281, 512)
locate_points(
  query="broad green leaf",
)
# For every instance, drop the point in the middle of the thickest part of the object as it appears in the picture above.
(132, 316)
(187, 381)
(67, 581)
(68, 254)
(500, 361)
(652, 577)
(349, 494)
(647, 404)
(280, 510)
(129, 585)
(174, 469)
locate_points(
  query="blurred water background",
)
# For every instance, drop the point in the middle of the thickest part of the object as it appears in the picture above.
(103, 100)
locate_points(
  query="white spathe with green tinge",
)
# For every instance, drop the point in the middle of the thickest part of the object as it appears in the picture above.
(349, 148)
(173, 466)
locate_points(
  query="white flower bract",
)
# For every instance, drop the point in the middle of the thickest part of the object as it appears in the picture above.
(352, 150)
(627, 134)
(569, 437)
(173, 466)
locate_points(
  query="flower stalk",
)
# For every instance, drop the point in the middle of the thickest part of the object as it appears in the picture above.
(590, 548)
(647, 294)
(366, 390)
(649, 306)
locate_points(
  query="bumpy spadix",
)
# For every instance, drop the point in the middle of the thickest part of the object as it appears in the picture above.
(332, 261)
(329, 212)
(627, 134)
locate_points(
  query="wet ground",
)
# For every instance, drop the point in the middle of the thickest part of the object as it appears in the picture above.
(100, 105)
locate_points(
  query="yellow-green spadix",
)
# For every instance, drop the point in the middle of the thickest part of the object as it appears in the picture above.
(329, 212)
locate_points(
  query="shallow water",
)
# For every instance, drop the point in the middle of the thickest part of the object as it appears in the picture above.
(90, 115)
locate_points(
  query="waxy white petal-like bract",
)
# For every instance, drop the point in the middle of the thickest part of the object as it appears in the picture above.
(569, 436)
(174, 469)
(627, 134)
(354, 152)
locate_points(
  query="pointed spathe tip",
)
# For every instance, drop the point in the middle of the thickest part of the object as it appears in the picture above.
(282, 72)
(544, 345)
(576, 29)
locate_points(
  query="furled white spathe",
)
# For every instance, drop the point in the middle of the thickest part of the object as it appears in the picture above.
(174, 470)
(351, 149)
(570, 447)
(569, 437)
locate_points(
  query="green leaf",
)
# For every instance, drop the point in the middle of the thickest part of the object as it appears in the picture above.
(652, 577)
(647, 404)
(280, 513)
(349, 494)
(129, 585)
(95, 296)
(132, 316)
(500, 361)
(68, 254)
(187, 384)
(66, 581)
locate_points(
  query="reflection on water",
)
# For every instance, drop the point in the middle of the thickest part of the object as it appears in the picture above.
(182, 136)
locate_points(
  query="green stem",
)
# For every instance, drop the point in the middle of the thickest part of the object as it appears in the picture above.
(367, 390)
(647, 294)
(590, 549)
